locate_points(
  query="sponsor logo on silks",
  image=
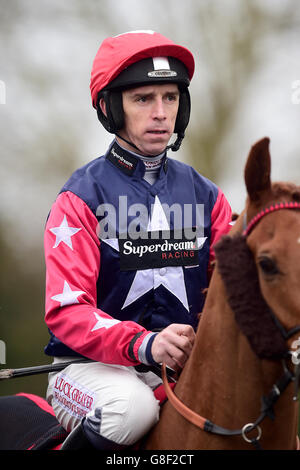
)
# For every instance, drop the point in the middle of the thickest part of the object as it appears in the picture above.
(122, 160)
(71, 396)
(159, 249)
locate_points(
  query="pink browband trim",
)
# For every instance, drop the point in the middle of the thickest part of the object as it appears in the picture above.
(268, 210)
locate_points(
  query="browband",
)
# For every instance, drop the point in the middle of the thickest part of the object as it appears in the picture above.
(275, 207)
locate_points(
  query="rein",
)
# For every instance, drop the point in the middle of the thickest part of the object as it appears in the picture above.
(277, 389)
(205, 424)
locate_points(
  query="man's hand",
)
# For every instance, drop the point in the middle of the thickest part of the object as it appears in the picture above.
(173, 345)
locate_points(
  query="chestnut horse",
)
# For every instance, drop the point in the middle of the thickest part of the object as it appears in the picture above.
(241, 369)
(236, 390)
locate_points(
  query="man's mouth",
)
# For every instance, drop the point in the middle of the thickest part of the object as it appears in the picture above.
(157, 132)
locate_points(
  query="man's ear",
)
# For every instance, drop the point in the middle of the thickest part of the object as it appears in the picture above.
(102, 105)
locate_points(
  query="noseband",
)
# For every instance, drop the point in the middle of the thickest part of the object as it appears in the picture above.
(277, 389)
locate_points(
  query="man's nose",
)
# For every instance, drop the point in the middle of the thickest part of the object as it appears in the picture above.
(159, 111)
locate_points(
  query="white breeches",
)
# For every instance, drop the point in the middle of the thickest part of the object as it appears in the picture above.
(117, 401)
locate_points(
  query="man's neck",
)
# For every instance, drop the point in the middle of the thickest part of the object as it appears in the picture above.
(152, 164)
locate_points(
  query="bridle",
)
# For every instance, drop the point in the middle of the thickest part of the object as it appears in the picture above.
(267, 210)
(268, 401)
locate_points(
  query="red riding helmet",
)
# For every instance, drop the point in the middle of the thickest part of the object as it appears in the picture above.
(139, 58)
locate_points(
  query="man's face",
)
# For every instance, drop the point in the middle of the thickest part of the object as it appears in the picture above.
(150, 113)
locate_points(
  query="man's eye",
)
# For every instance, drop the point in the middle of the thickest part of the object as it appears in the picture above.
(171, 97)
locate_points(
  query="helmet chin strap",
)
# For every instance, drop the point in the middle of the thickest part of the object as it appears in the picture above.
(174, 147)
(128, 142)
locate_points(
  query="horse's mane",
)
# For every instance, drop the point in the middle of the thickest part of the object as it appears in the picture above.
(237, 268)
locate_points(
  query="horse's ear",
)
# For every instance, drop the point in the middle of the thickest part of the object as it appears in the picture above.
(258, 169)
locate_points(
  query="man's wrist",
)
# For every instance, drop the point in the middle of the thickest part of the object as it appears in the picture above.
(148, 350)
(140, 347)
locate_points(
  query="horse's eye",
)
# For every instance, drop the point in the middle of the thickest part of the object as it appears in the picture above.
(268, 266)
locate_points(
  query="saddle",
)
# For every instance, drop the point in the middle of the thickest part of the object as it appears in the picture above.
(28, 422)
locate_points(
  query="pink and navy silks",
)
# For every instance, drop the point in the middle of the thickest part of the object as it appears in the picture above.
(93, 308)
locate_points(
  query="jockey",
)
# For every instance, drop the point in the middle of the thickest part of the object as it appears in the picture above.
(128, 246)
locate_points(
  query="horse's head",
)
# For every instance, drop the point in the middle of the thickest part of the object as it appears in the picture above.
(265, 258)
(274, 236)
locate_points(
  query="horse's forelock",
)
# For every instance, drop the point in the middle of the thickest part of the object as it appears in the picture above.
(286, 191)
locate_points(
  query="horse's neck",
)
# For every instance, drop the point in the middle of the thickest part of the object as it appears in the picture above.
(226, 367)
(223, 380)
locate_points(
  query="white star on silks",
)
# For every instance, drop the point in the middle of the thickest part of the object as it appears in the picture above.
(171, 277)
(68, 296)
(104, 322)
(64, 233)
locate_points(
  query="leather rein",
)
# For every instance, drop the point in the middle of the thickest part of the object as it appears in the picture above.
(277, 389)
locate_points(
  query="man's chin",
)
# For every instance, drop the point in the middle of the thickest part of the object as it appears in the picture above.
(155, 149)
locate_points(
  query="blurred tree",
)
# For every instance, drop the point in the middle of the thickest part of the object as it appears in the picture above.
(229, 46)
(21, 319)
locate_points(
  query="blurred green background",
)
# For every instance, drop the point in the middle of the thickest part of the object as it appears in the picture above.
(245, 87)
